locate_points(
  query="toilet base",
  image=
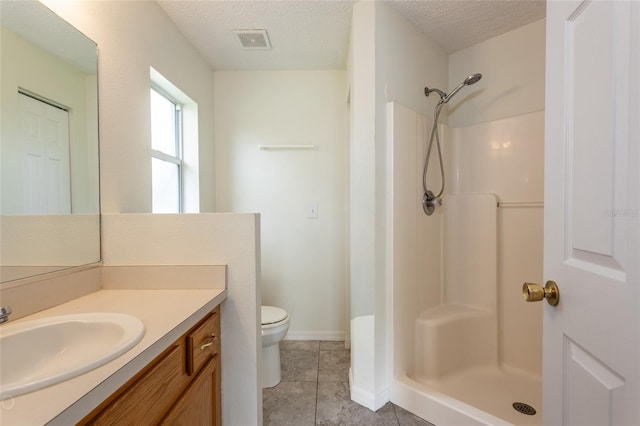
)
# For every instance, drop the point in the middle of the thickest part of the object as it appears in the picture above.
(271, 366)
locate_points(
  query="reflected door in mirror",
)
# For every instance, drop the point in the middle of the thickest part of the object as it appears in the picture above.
(44, 150)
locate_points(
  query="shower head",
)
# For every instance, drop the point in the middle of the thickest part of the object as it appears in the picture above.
(472, 79)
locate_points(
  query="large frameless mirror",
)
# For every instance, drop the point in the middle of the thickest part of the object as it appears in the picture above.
(49, 177)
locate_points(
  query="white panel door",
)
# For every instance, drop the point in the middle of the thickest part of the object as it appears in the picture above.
(44, 138)
(592, 213)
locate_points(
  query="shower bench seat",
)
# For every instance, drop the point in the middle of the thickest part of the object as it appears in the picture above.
(450, 338)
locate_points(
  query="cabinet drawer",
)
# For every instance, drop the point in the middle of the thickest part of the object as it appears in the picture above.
(203, 342)
(147, 399)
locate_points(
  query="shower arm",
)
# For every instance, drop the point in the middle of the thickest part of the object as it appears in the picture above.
(453, 92)
(428, 91)
(472, 79)
(444, 97)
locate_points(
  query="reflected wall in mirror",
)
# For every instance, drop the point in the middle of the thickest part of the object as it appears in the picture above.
(49, 178)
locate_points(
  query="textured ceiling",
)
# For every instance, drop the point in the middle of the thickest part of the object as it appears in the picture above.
(314, 34)
(456, 24)
(303, 34)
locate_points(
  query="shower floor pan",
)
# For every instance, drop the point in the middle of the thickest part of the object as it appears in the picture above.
(493, 390)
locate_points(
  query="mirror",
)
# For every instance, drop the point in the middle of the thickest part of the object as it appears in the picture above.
(49, 179)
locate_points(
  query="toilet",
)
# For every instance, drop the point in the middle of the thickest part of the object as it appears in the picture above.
(275, 323)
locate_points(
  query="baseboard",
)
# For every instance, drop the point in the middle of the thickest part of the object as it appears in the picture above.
(367, 399)
(316, 335)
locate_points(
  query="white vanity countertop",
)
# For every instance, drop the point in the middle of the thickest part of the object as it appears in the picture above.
(166, 314)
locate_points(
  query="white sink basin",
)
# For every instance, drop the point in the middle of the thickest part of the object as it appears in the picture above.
(39, 353)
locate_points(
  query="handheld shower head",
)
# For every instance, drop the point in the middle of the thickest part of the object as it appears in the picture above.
(472, 79)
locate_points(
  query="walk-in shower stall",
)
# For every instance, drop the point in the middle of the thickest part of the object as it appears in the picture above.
(465, 346)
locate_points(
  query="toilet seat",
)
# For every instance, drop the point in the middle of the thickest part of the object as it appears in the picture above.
(272, 315)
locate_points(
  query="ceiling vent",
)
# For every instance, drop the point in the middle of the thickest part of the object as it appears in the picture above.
(253, 39)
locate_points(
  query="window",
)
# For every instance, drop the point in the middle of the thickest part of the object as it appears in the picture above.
(166, 145)
(175, 164)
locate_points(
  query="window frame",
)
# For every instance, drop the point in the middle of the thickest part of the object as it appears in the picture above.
(178, 137)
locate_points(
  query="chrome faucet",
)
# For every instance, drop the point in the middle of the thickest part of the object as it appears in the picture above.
(5, 311)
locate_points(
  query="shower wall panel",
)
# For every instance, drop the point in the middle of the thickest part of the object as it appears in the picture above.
(428, 228)
(521, 261)
(506, 157)
(415, 259)
(470, 251)
(503, 157)
(462, 332)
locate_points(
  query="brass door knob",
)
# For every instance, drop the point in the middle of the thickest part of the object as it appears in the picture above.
(535, 292)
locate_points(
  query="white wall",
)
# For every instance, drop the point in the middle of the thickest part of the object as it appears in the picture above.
(133, 36)
(362, 196)
(304, 269)
(512, 65)
(391, 60)
(206, 239)
(497, 142)
(406, 62)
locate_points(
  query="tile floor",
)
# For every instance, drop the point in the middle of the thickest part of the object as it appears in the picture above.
(315, 391)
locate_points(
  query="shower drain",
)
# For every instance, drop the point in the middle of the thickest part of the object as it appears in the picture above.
(523, 408)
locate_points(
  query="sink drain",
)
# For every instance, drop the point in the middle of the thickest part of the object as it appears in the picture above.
(523, 408)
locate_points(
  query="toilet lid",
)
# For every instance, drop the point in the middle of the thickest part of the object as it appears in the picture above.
(271, 314)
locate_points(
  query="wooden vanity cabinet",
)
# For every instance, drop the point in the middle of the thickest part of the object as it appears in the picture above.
(194, 407)
(180, 387)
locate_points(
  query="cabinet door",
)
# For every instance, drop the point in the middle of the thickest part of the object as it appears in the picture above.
(147, 399)
(199, 404)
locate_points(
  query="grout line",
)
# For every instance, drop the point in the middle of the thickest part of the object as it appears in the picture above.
(395, 413)
(317, 378)
(315, 417)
